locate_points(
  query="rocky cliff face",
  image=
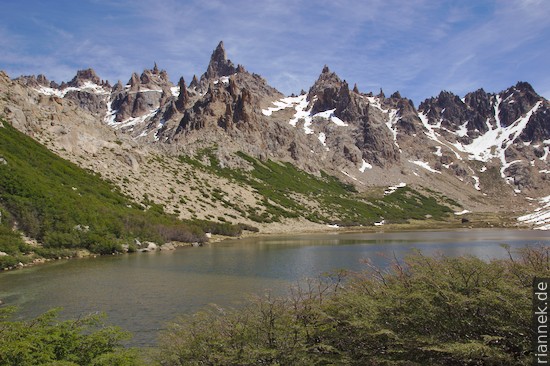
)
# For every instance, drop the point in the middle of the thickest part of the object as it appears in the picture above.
(508, 130)
(487, 150)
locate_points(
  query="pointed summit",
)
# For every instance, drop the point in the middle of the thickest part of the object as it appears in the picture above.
(327, 79)
(194, 82)
(219, 64)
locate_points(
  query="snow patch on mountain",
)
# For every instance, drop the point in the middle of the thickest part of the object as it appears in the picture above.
(131, 122)
(329, 114)
(493, 143)
(424, 165)
(463, 212)
(323, 138)
(281, 104)
(393, 118)
(476, 185)
(392, 189)
(302, 112)
(540, 219)
(365, 166)
(88, 86)
(375, 102)
(348, 175)
(430, 132)
(223, 79)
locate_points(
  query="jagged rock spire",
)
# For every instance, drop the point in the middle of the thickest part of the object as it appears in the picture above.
(219, 64)
(194, 82)
(183, 97)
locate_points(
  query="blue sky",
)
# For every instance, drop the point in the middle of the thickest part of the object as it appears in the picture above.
(418, 47)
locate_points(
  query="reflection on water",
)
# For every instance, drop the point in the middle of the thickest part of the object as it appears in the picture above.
(141, 292)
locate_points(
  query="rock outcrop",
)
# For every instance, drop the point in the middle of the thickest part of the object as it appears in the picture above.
(219, 65)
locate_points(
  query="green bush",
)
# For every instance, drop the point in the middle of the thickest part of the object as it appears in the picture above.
(46, 340)
(423, 311)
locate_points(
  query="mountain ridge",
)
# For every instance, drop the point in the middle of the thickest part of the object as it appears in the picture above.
(489, 151)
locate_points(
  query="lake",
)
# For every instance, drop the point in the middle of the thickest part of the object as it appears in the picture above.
(141, 292)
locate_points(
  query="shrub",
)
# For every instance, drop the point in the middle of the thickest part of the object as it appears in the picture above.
(48, 340)
(423, 311)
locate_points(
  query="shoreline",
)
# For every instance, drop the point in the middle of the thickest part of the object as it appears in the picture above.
(303, 227)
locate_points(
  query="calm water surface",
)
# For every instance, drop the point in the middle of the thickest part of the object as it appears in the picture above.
(141, 292)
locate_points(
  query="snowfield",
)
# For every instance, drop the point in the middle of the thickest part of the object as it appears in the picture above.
(540, 219)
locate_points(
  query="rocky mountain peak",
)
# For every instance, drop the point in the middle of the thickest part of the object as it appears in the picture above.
(324, 92)
(153, 78)
(396, 95)
(525, 87)
(84, 75)
(42, 80)
(219, 64)
(516, 101)
(134, 81)
(34, 81)
(194, 82)
(118, 87)
(448, 110)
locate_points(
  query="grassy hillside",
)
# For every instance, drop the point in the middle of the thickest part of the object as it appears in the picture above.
(67, 208)
(289, 192)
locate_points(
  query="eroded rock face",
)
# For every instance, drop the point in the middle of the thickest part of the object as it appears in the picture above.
(94, 103)
(142, 96)
(377, 143)
(368, 126)
(516, 101)
(453, 113)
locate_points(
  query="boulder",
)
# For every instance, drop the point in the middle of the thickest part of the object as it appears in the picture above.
(151, 246)
(168, 246)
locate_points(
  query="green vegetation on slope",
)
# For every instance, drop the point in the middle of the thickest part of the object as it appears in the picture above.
(67, 208)
(290, 192)
(424, 311)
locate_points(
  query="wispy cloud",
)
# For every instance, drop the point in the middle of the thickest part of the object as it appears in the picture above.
(418, 47)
